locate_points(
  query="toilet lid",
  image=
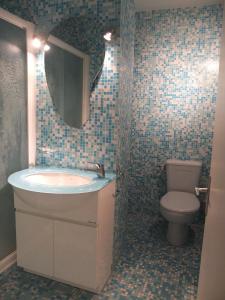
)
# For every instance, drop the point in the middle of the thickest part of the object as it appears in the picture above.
(180, 202)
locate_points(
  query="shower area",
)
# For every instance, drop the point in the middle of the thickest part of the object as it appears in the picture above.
(13, 124)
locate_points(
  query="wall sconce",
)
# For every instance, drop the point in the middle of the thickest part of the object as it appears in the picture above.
(40, 44)
(40, 37)
(46, 47)
(36, 42)
(111, 34)
(108, 36)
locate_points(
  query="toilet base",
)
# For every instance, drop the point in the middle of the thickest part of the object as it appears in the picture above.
(177, 234)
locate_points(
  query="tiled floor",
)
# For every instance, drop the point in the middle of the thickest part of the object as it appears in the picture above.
(149, 269)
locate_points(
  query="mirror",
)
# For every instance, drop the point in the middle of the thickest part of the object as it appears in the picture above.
(73, 66)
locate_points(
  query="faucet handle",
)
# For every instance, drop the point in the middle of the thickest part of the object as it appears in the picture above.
(100, 169)
(95, 164)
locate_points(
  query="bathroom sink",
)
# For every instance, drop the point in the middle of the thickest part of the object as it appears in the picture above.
(60, 215)
(53, 180)
(58, 179)
(64, 193)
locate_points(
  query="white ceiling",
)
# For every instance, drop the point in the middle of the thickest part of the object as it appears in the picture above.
(142, 5)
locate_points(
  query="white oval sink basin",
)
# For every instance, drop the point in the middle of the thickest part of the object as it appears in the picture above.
(58, 179)
(62, 181)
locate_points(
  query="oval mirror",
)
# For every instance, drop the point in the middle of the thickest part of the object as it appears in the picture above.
(73, 65)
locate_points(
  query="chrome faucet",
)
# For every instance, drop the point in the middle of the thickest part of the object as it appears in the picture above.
(100, 169)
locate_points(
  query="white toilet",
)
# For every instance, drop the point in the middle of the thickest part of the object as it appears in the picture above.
(180, 205)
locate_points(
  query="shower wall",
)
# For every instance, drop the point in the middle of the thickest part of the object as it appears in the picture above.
(13, 125)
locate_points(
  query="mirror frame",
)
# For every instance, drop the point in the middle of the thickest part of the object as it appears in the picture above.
(86, 64)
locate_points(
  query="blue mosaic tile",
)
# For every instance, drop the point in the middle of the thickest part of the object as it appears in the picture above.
(170, 115)
(106, 134)
(149, 268)
(57, 143)
(175, 90)
(124, 105)
(47, 14)
(60, 145)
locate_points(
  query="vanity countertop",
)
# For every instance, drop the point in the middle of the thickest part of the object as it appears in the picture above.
(20, 180)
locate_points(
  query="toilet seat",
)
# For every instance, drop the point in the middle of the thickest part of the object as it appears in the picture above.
(180, 202)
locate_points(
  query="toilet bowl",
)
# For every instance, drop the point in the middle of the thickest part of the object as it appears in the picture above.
(179, 209)
(179, 205)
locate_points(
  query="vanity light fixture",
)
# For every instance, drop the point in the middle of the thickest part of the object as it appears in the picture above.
(36, 42)
(39, 43)
(108, 36)
(46, 47)
(111, 33)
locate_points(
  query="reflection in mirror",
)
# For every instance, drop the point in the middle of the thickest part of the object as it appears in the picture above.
(73, 66)
(67, 72)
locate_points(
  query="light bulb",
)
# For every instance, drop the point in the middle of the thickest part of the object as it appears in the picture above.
(46, 47)
(36, 42)
(108, 36)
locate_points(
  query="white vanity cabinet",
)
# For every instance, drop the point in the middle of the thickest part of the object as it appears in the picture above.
(34, 243)
(76, 258)
(71, 241)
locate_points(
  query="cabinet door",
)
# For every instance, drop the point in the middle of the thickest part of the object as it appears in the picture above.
(34, 243)
(75, 253)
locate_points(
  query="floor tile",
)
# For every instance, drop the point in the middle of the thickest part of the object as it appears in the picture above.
(149, 268)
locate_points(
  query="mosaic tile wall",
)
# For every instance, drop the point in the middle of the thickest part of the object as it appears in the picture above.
(175, 90)
(61, 145)
(57, 143)
(124, 111)
(47, 14)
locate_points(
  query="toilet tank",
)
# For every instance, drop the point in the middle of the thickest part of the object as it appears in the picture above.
(182, 175)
